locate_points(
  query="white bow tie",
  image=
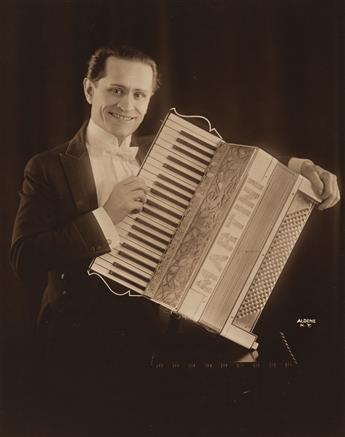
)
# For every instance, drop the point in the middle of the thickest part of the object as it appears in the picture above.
(127, 154)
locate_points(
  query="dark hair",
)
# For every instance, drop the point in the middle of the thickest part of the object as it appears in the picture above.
(96, 65)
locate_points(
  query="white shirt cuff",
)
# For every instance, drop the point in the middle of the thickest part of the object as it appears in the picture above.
(108, 228)
(295, 164)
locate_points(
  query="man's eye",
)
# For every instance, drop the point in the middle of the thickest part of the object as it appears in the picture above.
(116, 91)
(139, 95)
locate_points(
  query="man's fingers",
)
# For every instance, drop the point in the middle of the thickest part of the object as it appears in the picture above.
(136, 207)
(328, 184)
(331, 194)
(311, 172)
(132, 179)
(134, 183)
(324, 183)
(139, 195)
(128, 180)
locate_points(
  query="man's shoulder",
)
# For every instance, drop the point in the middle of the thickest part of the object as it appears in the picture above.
(75, 145)
(47, 157)
(54, 151)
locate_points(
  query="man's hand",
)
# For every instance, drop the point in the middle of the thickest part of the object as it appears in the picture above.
(127, 196)
(324, 183)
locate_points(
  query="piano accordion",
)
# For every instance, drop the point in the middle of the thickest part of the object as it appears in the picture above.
(218, 226)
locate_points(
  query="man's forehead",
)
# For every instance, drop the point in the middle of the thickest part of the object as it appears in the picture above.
(128, 72)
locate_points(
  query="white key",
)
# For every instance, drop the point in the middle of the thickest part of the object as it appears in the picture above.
(174, 171)
(210, 143)
(170, 141)
(171, 209)
(115, 254)
(156, 168)
(178, 163)
(156, 254)
(166, 230)
(155, 232)
(129, 229)
(122, 262)
(125, 251)
(159, 223)
(108, 274)
(142, 251)
(164, 148)
(169, 198)
(152, 180)
(162, 216)
(124, 274)
(182, 123)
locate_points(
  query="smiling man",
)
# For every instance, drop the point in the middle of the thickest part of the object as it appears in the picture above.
(73, 197)
(121, 97)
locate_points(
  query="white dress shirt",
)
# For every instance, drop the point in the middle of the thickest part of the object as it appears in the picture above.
(110, 165)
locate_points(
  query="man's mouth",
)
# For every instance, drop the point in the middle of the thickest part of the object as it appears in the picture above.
(121, 117)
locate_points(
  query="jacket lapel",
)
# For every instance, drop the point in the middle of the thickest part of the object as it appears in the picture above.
(78, 171)
(144, 144)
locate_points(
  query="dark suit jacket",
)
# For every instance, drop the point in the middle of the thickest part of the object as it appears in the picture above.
(56, 236)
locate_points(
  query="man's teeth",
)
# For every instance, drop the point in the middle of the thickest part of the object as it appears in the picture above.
(121, 117)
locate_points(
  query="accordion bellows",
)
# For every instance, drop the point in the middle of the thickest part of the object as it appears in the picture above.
(219, 225)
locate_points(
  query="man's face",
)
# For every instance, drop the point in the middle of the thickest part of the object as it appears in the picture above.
(120, 99)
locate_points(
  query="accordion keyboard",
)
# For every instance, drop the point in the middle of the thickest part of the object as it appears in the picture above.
(172, 170)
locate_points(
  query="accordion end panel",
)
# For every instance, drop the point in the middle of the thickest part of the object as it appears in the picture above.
(265, 275)
(232, 287)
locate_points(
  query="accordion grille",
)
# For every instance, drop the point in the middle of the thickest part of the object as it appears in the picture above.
(272, 265)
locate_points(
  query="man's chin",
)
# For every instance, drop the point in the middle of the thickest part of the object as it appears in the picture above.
(123, 133)
(122, 130)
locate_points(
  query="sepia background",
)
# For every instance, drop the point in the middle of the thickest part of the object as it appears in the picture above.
(267, 73)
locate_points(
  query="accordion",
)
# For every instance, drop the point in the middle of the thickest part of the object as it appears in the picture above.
(218, 226)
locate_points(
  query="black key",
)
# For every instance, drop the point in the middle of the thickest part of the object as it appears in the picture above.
(159, 217)
(197, 158)
(191, 146)
(149, 234)
(171, 190)
(166, 197)
(141, 220)
(186, 166)
(128, 270)
(148, 243)
(163, 209)
(136, 260)
(179, 172)
(177, 184)
(140, 252)
(198, 140)
(125, 278)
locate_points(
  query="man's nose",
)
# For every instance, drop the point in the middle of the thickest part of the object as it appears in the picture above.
(126, 102)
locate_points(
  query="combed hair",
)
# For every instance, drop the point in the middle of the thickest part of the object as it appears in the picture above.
(96, 64)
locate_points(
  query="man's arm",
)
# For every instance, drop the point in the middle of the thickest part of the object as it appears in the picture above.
(40, 243)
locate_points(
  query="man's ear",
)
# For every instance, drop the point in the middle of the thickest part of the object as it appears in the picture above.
(88, 89)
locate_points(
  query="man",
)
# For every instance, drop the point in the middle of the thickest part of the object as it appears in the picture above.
(73, 196)
(72, 199)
